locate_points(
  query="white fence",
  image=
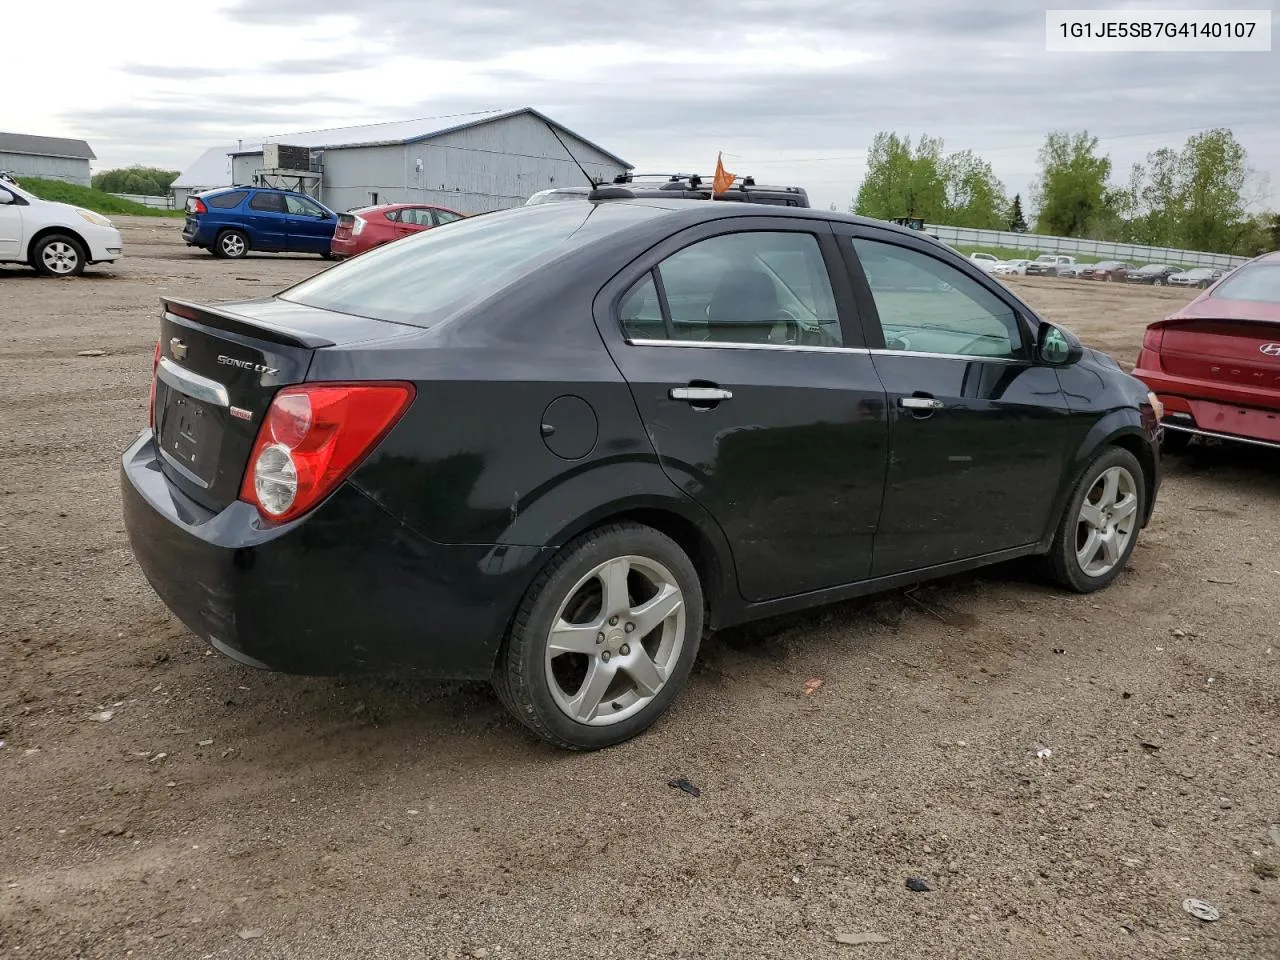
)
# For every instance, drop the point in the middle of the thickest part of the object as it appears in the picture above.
(1130, 252)
(160, 203)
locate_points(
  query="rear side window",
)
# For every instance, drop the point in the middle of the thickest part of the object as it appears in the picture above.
(1257, 282)
(756, 288)
(432, 274)
(267, 202)
(225, 201)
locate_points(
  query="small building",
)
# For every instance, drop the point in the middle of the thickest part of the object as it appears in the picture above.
(472, 164)
(53, 158)
(210, 170)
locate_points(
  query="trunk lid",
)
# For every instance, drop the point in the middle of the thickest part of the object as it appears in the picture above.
(220, 368)
(1231, 352)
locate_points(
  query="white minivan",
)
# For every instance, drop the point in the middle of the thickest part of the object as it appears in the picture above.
(56, 239)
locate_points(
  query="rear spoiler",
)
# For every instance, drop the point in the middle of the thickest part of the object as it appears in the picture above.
(220, 318)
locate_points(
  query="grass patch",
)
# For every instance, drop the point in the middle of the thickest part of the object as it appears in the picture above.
(89, 198)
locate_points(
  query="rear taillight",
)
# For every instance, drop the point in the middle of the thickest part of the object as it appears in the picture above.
(198, 206)
(1152, 339)
(151, 401)
(311, 439)
(357, 225)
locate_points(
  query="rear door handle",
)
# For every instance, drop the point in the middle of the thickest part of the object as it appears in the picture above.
(700, 394)
(920, 403)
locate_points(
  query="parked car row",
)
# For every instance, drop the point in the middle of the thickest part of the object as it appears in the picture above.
(1114, 271)
(232, 221)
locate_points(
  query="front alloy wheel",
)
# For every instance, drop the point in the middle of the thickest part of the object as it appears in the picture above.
(1099, 528)
(604, 639)
(59, 256)
(1107, 521)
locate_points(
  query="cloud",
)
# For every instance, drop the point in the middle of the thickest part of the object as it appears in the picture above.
(776, 84)
(160, 71)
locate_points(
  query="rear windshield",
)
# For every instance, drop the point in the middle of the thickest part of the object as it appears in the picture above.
(1259, 282)
(1154, 268)
(429, 276)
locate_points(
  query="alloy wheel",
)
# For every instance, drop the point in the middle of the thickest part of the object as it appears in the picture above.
(615, 640)
(60, 257)
(1107, 521)
(233, 245)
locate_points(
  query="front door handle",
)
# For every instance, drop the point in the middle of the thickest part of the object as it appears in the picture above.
(701, 394)
(920, 403)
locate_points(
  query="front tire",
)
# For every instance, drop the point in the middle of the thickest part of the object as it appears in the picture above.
(59, 255)
(1100, 526)
(604, 639)
(231, 245)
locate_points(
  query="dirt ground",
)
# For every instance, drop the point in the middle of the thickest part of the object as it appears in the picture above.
(158, 800)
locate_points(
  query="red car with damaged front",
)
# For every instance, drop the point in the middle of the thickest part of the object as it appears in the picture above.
(369, 227)
(1215, 363)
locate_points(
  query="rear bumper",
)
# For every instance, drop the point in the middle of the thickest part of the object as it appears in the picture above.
(346, 589)
(1222, 421)
(347, 246)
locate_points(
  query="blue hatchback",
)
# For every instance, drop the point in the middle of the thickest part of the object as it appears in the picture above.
(234, 220)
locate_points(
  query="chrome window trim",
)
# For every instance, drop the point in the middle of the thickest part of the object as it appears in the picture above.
(800, 348)
(192, 384)
(724, 345)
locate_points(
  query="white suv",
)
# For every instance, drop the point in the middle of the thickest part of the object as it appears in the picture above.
(57, 239)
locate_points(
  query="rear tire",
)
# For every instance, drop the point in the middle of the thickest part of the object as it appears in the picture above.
(59, 255)
(1100, 526)
(604, 639)
(231, 245)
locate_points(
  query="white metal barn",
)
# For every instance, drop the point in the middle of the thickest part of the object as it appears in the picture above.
(473, 163)
(53, 158)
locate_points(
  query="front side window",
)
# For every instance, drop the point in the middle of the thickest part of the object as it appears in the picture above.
(267, 203)
(445, 216)
(928, 306)
(757, 288)
(302, 207)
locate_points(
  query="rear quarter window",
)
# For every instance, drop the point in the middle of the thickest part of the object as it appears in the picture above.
(225, 201)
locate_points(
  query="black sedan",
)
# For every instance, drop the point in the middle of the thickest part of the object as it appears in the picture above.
(552, 446)
(1153, 274)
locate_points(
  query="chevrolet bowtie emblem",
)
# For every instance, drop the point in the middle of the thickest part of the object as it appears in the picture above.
(178, 349)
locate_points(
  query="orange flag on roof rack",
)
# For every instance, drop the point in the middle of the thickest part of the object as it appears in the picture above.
(723, 179)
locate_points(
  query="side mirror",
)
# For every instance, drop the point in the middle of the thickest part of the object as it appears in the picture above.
(1056, 347)
(5, 197)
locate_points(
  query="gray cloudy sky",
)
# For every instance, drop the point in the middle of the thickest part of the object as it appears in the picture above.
(791, 90)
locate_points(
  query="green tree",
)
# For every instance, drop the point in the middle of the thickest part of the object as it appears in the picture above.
(975, 197)
(1215, 172)
(1274, 230)
(1072, 191)
(145, 181)
(903, 181)
(1015, 220)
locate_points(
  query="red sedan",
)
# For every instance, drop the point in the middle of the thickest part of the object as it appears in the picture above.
(1216, 362)
(370, 227)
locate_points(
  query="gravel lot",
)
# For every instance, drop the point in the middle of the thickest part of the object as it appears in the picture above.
(162, 801)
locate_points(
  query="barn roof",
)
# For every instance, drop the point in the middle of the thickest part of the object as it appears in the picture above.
(45, 146)
(408, 131)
